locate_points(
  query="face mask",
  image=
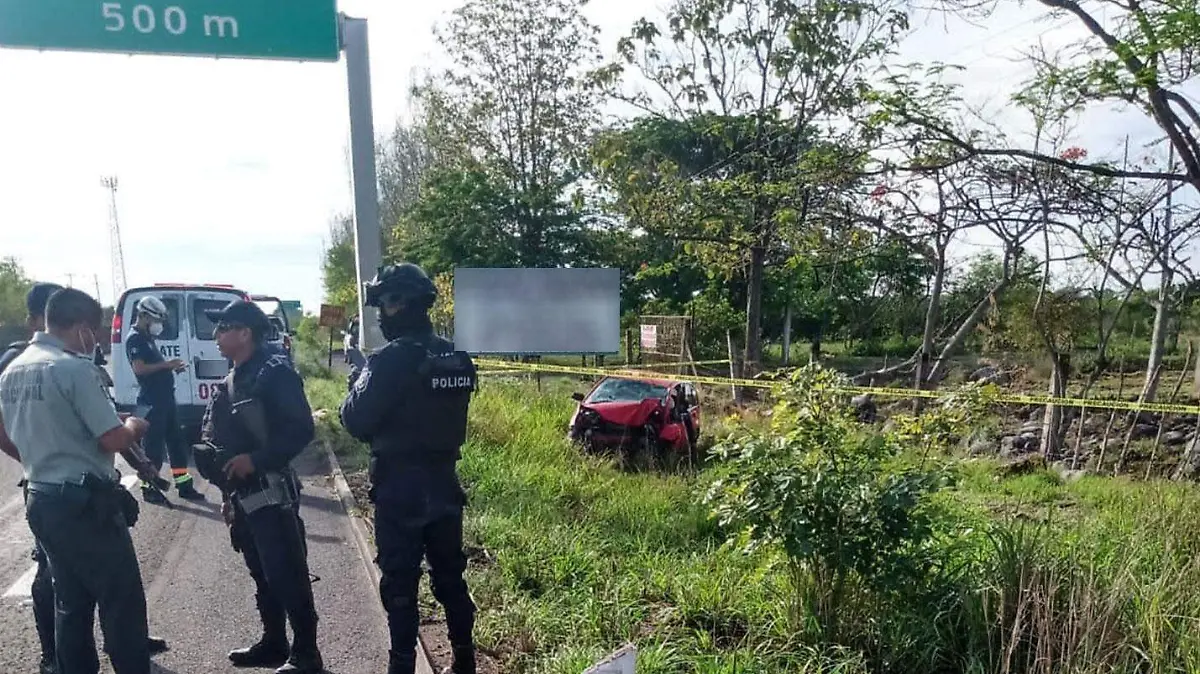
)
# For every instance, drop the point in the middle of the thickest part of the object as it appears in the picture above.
(88, 346)
(156, 329)
(407, 321)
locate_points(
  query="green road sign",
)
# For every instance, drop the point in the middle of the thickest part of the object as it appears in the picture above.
(294, 30)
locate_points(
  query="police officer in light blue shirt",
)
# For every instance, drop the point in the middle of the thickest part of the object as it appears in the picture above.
(55, 413)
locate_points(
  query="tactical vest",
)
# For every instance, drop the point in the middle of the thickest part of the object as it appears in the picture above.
(239, 426)
(19, 346)
(431, 418)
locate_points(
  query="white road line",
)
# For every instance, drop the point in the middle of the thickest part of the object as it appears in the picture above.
(24, 585)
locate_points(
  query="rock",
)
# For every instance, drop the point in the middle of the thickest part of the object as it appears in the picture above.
(1008, 445)
(1174, 437)
(1143, 431)
(989, 374)
(983, 373)
(1029, 463)
(981, 447)
(1036, 429)
(1069, 475)
(1015, 445)
(1064, 470)
(864, 407)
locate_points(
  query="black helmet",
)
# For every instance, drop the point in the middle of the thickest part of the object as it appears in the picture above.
(405, 282)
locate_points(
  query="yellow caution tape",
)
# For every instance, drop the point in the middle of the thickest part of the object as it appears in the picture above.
(1009, 398)
(643, 366)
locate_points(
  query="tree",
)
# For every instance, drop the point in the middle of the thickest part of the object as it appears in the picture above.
(1137, 56)
(404, 159)
(514, 113)
(339, 274)
(463, 218)
(14, 286)
(762, 90)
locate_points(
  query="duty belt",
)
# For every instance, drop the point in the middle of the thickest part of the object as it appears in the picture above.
(52, 488)
(272, 489)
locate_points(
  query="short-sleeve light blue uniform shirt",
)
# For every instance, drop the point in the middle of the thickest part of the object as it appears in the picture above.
(55, 410)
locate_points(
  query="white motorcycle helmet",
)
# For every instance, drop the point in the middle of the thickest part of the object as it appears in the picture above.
(157, 311)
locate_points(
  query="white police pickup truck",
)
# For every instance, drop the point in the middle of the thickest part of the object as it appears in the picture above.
(187, 335)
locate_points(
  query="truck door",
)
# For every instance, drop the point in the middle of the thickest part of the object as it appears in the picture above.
(207, 364)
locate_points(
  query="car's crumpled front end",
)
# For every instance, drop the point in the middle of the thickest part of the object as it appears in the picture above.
(613, 425)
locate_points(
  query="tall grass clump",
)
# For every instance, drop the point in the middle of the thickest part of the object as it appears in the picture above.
(1112, 591)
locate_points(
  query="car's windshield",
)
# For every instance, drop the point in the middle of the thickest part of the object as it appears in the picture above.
(271, 308)
(617, 390)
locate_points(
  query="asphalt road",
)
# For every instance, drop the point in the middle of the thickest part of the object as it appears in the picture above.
(199, 595)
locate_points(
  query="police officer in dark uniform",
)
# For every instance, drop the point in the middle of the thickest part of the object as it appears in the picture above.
(256, 424)
(410, 403)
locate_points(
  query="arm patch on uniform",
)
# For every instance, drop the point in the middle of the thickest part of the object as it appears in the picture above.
(448, 373)
(361, 381)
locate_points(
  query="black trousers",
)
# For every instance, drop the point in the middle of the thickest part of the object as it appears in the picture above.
(402, 542)
(271, 540)
(93, 565)
(164, 438)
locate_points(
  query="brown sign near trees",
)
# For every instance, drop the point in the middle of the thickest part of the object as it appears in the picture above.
(332, 316)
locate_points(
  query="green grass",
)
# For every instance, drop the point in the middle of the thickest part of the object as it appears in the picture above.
(1041, 575)
(587, 557)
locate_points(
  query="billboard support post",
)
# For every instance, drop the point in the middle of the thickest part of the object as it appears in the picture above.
(368, 238)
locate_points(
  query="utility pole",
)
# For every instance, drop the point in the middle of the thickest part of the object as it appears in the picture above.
(117, 255)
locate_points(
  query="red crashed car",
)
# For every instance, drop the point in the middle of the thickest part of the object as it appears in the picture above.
(624, 413)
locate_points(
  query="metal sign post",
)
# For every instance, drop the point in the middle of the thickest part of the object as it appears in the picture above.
(368, 238)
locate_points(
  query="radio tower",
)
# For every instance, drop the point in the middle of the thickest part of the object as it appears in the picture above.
(114, 239)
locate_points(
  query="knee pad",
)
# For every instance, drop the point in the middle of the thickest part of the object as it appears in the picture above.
(399, 603)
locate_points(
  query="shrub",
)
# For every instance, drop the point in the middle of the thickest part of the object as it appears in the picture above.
(849, 512)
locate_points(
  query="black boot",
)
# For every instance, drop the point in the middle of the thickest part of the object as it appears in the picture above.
(187, 491)
(262, 654)
(464, 661)
(402, 664)
(157, 645)
(47, 667)
(272, 649)
(302, 664)
(305, 656)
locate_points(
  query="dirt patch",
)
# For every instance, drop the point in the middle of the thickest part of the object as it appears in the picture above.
(359, 485)
(437, 646)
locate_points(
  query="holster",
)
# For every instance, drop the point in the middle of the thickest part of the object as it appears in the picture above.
(263, 489)
(107, 499)
(210, 463)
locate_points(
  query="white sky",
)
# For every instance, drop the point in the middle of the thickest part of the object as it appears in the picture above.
(230, 171)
